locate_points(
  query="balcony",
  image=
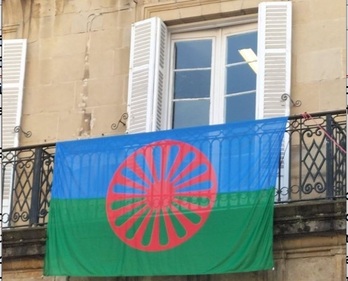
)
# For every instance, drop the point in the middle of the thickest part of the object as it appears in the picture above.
(312, 167)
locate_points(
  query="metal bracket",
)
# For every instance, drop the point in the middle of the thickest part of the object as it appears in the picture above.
(124, 117)
(18, 129)
(297, 103)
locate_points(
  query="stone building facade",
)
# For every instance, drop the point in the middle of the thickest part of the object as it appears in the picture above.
(76, 86)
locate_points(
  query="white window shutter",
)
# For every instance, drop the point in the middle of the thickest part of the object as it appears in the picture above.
(14, 55)
(146, 76)
(274, 75)
(274, 59)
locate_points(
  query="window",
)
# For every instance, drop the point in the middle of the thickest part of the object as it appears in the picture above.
(213, 80)
(181, 79)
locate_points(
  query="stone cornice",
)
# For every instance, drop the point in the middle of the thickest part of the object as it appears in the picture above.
(174, 12)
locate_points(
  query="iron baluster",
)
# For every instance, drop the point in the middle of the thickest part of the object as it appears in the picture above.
(329, 158)
(35, 195)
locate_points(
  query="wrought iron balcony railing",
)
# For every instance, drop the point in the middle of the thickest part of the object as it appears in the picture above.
(313, 167)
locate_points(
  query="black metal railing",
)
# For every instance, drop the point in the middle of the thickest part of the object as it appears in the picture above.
(313, 167)
(26, 180)
(314, 158)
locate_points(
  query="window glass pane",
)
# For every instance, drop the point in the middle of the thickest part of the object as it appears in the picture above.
(192, 84)
(240, 107)
(240, 78)
(190, 113)
(193, 54)
(239, 42)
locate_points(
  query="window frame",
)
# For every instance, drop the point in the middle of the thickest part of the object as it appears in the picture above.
(218, 32)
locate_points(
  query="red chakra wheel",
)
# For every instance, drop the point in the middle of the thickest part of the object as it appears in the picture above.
(161, 195)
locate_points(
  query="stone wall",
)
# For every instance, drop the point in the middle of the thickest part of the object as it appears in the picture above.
(309, 245)
(78, 57)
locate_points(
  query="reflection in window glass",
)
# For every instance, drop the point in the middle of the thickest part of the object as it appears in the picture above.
(238, 42)
(240, 107)
(240, 85)
(193, 54)
(192, 84)
(190, 113)
(240, 78)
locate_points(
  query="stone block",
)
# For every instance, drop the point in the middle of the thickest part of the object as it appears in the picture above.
(319, 269)
(168, 15)
(32, 75)
(63, 24)
(49, 98)
(327, 91)
(335, 10)
(120, 19)
(46, 48)
(104, 116)
(69, 45)
(308, 94)
(43, 127)
(68, 69)
(69, 7)
(79, 22)
(319, 65)
(107, 91)
(210, 11)
(45, 71)
(106, 39)
(122, 61)
(187, 13)
(69, 125)
(309, 39)
(301, 12)
(231, 6)
(102, 64)
(46, 27)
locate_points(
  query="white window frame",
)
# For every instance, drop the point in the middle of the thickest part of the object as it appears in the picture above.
(218, 34)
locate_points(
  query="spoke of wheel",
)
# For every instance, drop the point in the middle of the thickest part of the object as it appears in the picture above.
(176, 163)
(184, 221)
(140, 232)
(139, 171)
(125, 209)
(171, 232)
(150, 161)
(186, 171)
(155, 233)
(128, 182)
(206, 176)
(125, 227)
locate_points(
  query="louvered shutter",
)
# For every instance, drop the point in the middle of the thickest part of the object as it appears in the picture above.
(14, 55)
(146, 76)
(274, 71)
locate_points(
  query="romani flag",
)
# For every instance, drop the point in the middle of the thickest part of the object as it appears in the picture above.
(177, 202)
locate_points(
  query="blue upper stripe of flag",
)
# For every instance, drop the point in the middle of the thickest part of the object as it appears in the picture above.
(244, 156)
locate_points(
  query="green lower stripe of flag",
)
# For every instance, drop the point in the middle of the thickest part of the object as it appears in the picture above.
(237, 237)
